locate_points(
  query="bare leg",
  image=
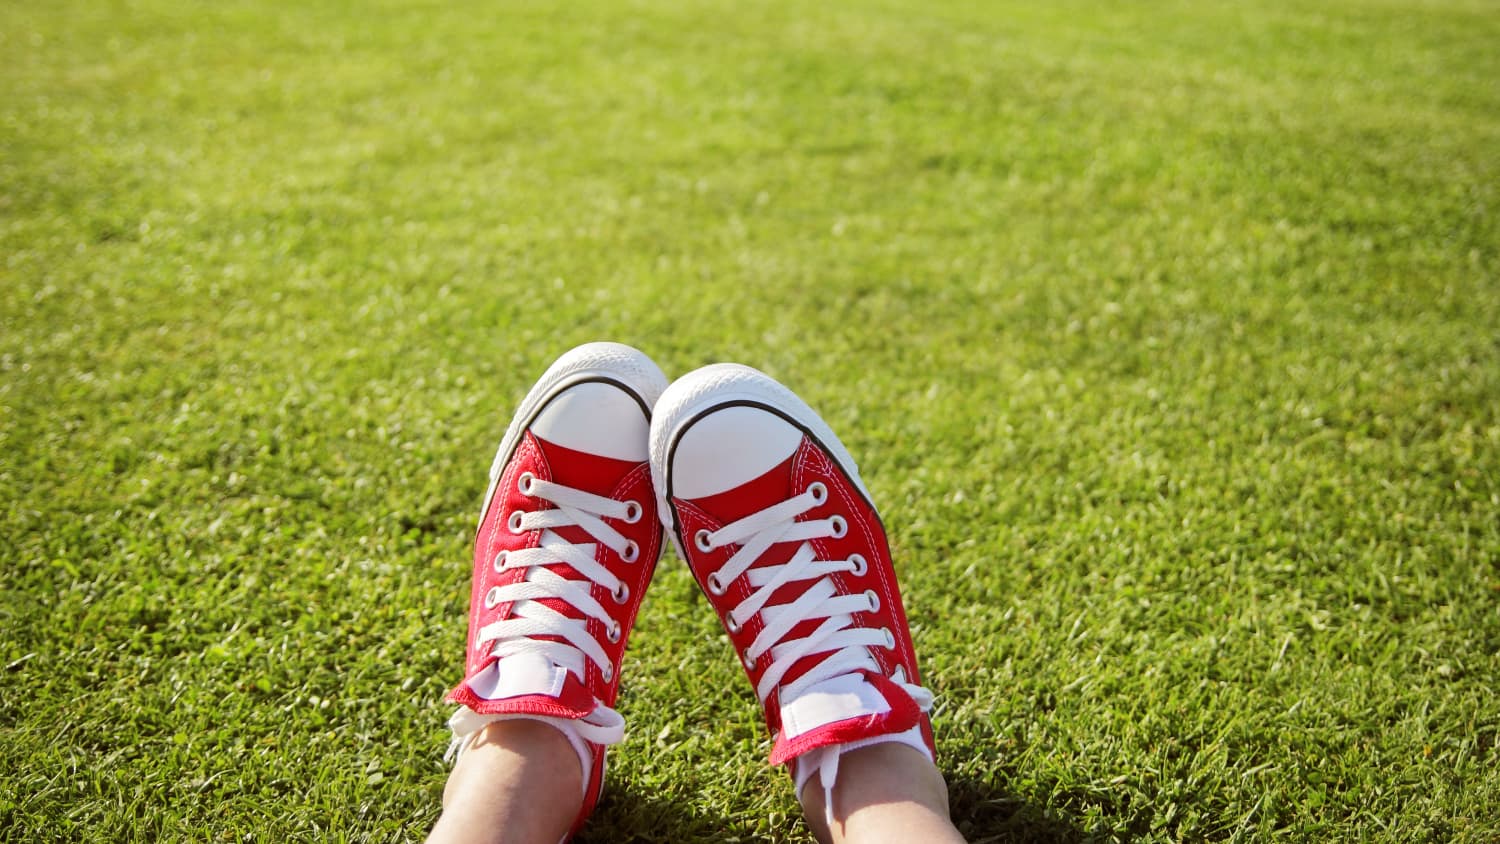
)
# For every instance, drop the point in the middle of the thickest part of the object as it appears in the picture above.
(884, 793)
(518, 782)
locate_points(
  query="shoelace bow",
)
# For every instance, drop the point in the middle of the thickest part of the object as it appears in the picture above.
(847, 646)
(530, 618)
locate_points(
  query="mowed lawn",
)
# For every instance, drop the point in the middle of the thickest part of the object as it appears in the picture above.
(1167, 335)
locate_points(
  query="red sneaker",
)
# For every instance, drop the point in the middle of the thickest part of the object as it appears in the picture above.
(567, 543)
(769, 511)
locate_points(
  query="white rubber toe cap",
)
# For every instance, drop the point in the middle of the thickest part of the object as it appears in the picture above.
(730, 447)
(725, 424)
(597, 418)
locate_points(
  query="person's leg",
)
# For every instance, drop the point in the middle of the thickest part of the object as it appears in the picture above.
(885, 793)
(519, 781)
(769, 510)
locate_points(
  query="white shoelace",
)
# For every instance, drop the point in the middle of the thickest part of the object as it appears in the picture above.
(848, 646)
(530, 618)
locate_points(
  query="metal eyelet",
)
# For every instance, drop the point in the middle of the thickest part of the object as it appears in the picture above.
(632, 512)
(622, 594)
(731, 625)
(890, 638)
(514, 524)
(701, 540)
(631, 553)
(498, 564)
(613, 633)
(839, 526)
(523, 484)
(608, 673)
(748, 662)
(873, 599)
(716, 587)
(818, 491)
(860, 565)
(492, 597)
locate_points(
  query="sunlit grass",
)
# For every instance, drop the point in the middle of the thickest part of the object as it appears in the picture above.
(1165, 335)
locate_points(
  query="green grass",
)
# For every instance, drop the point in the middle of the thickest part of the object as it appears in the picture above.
(1167, 335)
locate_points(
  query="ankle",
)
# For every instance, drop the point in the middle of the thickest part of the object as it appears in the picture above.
(521, 770)
(535, 747)
(884, 792)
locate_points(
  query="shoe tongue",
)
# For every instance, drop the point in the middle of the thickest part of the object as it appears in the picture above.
(852, 708)
(836, 699)
(581, 470)
(513, 684)
(749, 498)
(517, 675)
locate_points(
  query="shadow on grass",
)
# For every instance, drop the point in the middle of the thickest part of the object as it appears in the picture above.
(987, 814)
(984, 814)
(625, 814)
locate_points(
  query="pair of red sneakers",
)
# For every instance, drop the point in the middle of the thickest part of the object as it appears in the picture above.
(761, 500)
